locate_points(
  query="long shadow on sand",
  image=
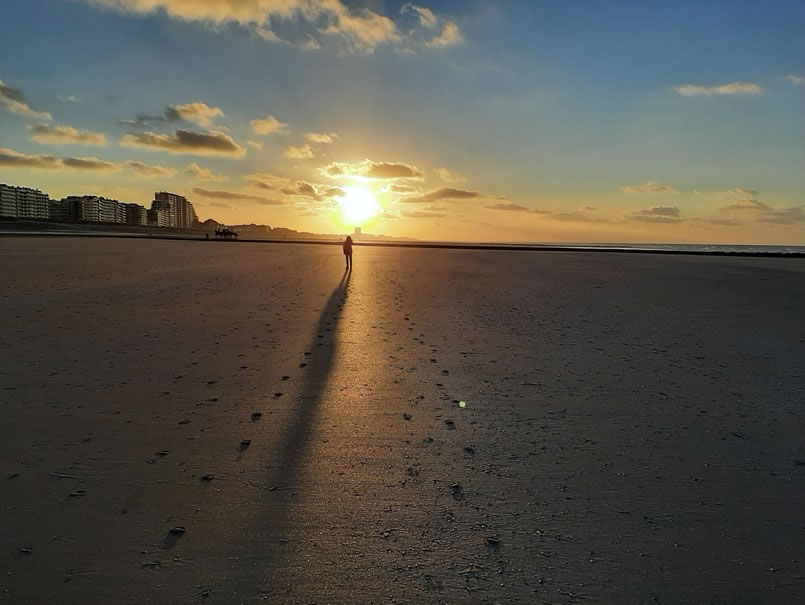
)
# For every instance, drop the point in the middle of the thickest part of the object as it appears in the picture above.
(316, 374)
(273, 528)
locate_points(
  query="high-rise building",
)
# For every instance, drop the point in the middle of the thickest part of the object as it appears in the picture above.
(357, 232)
(180, 212)
(136, 214)
(159, 217)
(94, 209)
(59, 211)
(23, 202)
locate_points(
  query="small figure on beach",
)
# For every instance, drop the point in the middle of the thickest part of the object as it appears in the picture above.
(348, 252)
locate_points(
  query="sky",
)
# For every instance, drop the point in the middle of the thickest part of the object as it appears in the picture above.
(463, 120)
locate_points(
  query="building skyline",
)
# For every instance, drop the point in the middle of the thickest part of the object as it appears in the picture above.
(168, 209)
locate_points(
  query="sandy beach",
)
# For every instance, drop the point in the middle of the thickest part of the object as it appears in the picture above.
(215, 422)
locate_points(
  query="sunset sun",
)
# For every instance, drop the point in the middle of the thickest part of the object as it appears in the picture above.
(358, 205)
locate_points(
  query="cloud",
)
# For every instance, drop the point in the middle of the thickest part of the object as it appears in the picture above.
(361, 29)
(649, 187)
(450, 35)
(449, 177)
(508, 207)
(444, 193)
(321, 137)
(764, 213)
(149, 170)
(186, 142)
(741, 192)
(395, 188)
(715, 221)
(305, 152)
(421, 214)
(235, 195)
(197, 112)
(219, 205)
(267, 34)
(425, 15)
(747, 204)
(733, 88)
(657, 214)
(16, 159)
(44, 133)
(575, 217)
(310, 43)
(204, 174)
(70, 99)
(374, 170)
(14, 101)
(267, 125)
(783, 216)
(255, 144)
(795, 79)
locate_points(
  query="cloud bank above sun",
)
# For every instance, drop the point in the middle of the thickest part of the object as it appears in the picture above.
(360, 30)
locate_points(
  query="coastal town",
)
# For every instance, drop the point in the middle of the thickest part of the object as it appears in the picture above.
(167, 209)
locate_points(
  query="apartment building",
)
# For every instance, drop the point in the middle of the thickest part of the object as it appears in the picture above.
(177, 208)
(23, 202)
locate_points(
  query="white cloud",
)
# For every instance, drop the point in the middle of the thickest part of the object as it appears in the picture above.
(14, 101)
(255, 144)
(267, 125)
(70, 99)
(795, 79)
(733, 88)
(305, 152)
(57, 135)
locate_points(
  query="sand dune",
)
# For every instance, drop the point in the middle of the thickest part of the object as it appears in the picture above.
(191, 420)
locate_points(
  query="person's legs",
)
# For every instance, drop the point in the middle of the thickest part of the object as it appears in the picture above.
(346, 259)
(349, 260)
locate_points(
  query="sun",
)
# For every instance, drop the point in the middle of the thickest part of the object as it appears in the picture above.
(358, 205)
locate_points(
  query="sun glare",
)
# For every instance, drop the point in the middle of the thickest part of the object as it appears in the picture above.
(358, 205)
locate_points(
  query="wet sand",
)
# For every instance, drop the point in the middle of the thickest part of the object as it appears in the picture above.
(632, 427)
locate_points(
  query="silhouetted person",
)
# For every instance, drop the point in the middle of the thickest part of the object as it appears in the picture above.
(348, 252)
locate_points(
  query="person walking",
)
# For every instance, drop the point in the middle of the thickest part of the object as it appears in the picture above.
(348, 252)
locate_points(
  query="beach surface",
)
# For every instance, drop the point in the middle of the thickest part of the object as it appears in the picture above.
(220, 422)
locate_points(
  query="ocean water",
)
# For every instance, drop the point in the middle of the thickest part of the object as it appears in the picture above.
(719, 248)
